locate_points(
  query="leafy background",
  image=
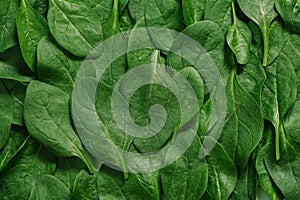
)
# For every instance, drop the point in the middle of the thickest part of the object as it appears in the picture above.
(256, 47)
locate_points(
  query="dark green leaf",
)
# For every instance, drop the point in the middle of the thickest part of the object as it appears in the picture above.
(15, 143)
(47, 118)
(75, 26)
(31, 28)
(85, 186)
(262, 12)
(219, 11)
(289, 11)
(6, 114)
(193, 11)
(279, 93)
(243, 125)
(239, 39)
(8, 30)
(222, 173)
(187, 177)
(285, 172)
(56, 66)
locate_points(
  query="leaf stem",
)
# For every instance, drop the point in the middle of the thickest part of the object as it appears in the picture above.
(233, 12)
(277, 142)
(265, 34)
(85, 160)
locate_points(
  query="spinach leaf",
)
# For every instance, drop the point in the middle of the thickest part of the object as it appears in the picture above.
(187, 177)
(56, 66)
(252, 77)
(262, 12)
(246, 184)
(222, 173)
(289, 11)
(30, 163)
(101, 7)
(16, 141)
(49, 187)
(75, 26)
(17, 92)
(6, 114)
(287, 167)
(279, 93)
(210, 36)
(8, 30)
(276, 41)
(67, 170)
(111, 185)
(45, 104)
(239, 39)
(291, 122)
(31, 27)
(193, 11)
(243, 125)
(265, 181)
(163, 14)
(219, 11)
(137, 9)
(39, 5)
(85, 186)
(12, 72)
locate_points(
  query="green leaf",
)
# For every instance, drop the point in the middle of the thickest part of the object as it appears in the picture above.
(289, 11)
(141, 56)
(193, 11)
(67, 170)
(85, 186)
(291, 122)
(101, 7)
(163, 14)
(39, 5)
(75, 26)
(222, 173)
(285, 172)
(6, 114)
(246, 184)
(47, 118)
(17, 139)
(111, 185)
(17, 92)
(187, 177)
(219, 11)
(239, 39)
(252, 77)
(265, 181)
(31, 28)
(31, 162)
(137, 9)
(279, 93)
(8, 29)
(49, 187)
(243, 126)
(262, 12)
(56, 66)
(277, 41)
(210, 36)
(12, 72)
